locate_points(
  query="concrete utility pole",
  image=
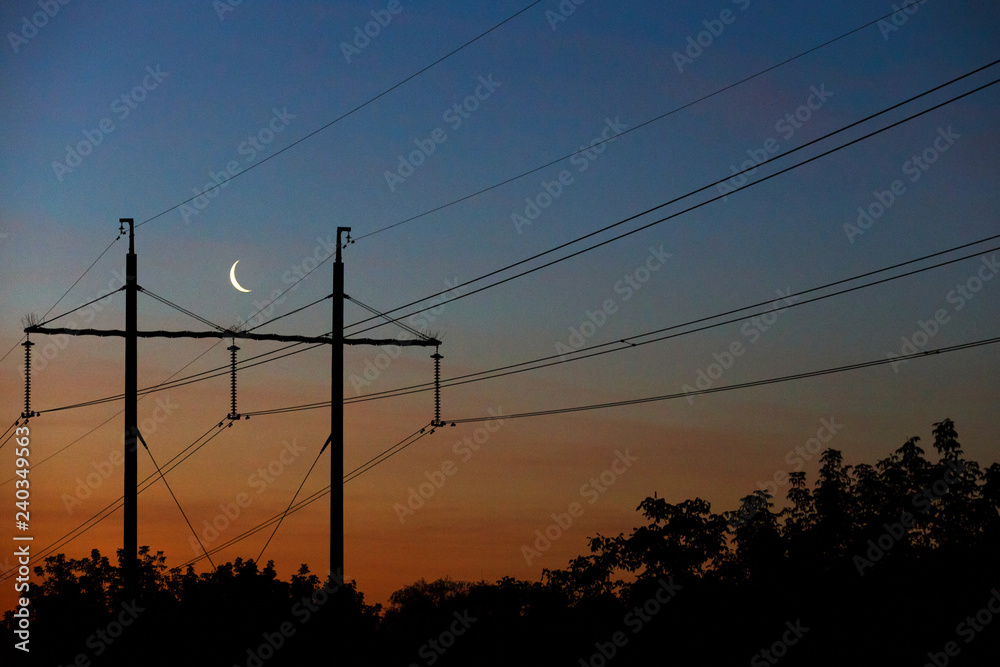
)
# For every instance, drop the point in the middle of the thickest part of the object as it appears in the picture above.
(131, 334)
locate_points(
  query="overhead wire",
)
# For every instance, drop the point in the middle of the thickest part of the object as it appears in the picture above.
(305, 502)
(113, 506)
(275, 319)
(572, 354)
(346, 114)
(602, 141)
(68, 312)
(541, 413)
(748, 185)
(181, 309)
(390, 320)
(742, 385)
(291, 502)
(636, 127)
(174, 496)
(59, 300)
(582, 353)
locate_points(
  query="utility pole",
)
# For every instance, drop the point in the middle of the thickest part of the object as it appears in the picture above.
(131, 334)
(337, 416)
(130, 541)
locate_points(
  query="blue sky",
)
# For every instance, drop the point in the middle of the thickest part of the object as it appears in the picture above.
(275, 73)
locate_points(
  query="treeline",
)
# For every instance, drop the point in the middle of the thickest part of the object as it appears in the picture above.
(884, 564)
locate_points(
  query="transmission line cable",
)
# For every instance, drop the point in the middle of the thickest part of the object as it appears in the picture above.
(742, 385)
(173, 495)
(181, 309)
(59, 300)
(345, 115)
(275, 319)
(495, 373)
(106, 511)
(292, 502)
(634, 128)
(676, 199)
(541, 413)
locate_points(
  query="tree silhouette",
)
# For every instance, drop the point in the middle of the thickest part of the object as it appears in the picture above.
(875, 564)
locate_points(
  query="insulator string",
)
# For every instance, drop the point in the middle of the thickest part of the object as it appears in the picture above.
(27, 414)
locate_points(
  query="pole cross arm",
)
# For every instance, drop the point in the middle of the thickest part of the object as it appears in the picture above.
(327, 340)
(430, 342)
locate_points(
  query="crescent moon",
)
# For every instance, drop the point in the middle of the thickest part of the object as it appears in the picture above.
(232, 277)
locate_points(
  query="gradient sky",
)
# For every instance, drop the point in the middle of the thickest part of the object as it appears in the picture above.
(555, 87)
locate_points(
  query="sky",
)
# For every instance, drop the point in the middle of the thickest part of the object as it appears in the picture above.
(369, 114)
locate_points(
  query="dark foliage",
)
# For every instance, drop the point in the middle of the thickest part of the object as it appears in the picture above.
(879, 564)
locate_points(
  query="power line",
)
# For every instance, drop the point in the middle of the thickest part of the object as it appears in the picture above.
(530, 365)
(690, 208)
(634, 128)
(390, 320)
(120, 289)
(345, 115)
(629, 343)
(180, 309)
(292, 502)
(385, 454)
(275, 319)
(579, 408)
(624, 132)
(110, 508)
(173, 495)
(742, 385)
(495, 372)
(301, 505)
(261, 526)
(59, 300)
(541, 413)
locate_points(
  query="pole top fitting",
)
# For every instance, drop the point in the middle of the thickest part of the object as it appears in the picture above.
(342, 244)
(131, 232)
